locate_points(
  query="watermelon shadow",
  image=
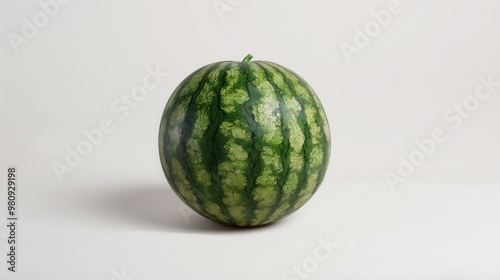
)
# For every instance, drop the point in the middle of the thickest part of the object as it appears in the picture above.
(158, 209)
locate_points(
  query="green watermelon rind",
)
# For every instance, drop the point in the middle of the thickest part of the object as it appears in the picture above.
(244, 143)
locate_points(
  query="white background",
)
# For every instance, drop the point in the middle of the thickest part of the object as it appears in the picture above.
(115, 217)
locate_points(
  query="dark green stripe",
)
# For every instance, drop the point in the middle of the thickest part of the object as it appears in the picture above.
(243, 113)
(212, 145)
(321, 122)
(285, 148)
(209, 144)
(255, 164)
(306, 147)
(325, 143)
(187, 130)
(176, 99)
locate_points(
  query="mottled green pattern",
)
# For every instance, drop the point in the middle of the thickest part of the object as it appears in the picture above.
(244, 143)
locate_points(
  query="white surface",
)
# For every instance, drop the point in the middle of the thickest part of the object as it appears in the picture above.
(115, 215)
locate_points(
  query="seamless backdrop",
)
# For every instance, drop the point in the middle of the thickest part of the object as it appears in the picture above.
(411, 90)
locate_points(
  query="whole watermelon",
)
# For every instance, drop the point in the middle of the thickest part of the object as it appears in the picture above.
(244, 143)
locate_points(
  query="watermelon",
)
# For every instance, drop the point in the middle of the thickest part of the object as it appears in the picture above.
(244, 143)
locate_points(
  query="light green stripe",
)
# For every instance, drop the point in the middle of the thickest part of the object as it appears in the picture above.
(296, 156)
(233, 94)
(234, 160)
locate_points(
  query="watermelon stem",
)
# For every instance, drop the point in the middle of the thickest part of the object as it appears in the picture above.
(247, 58)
